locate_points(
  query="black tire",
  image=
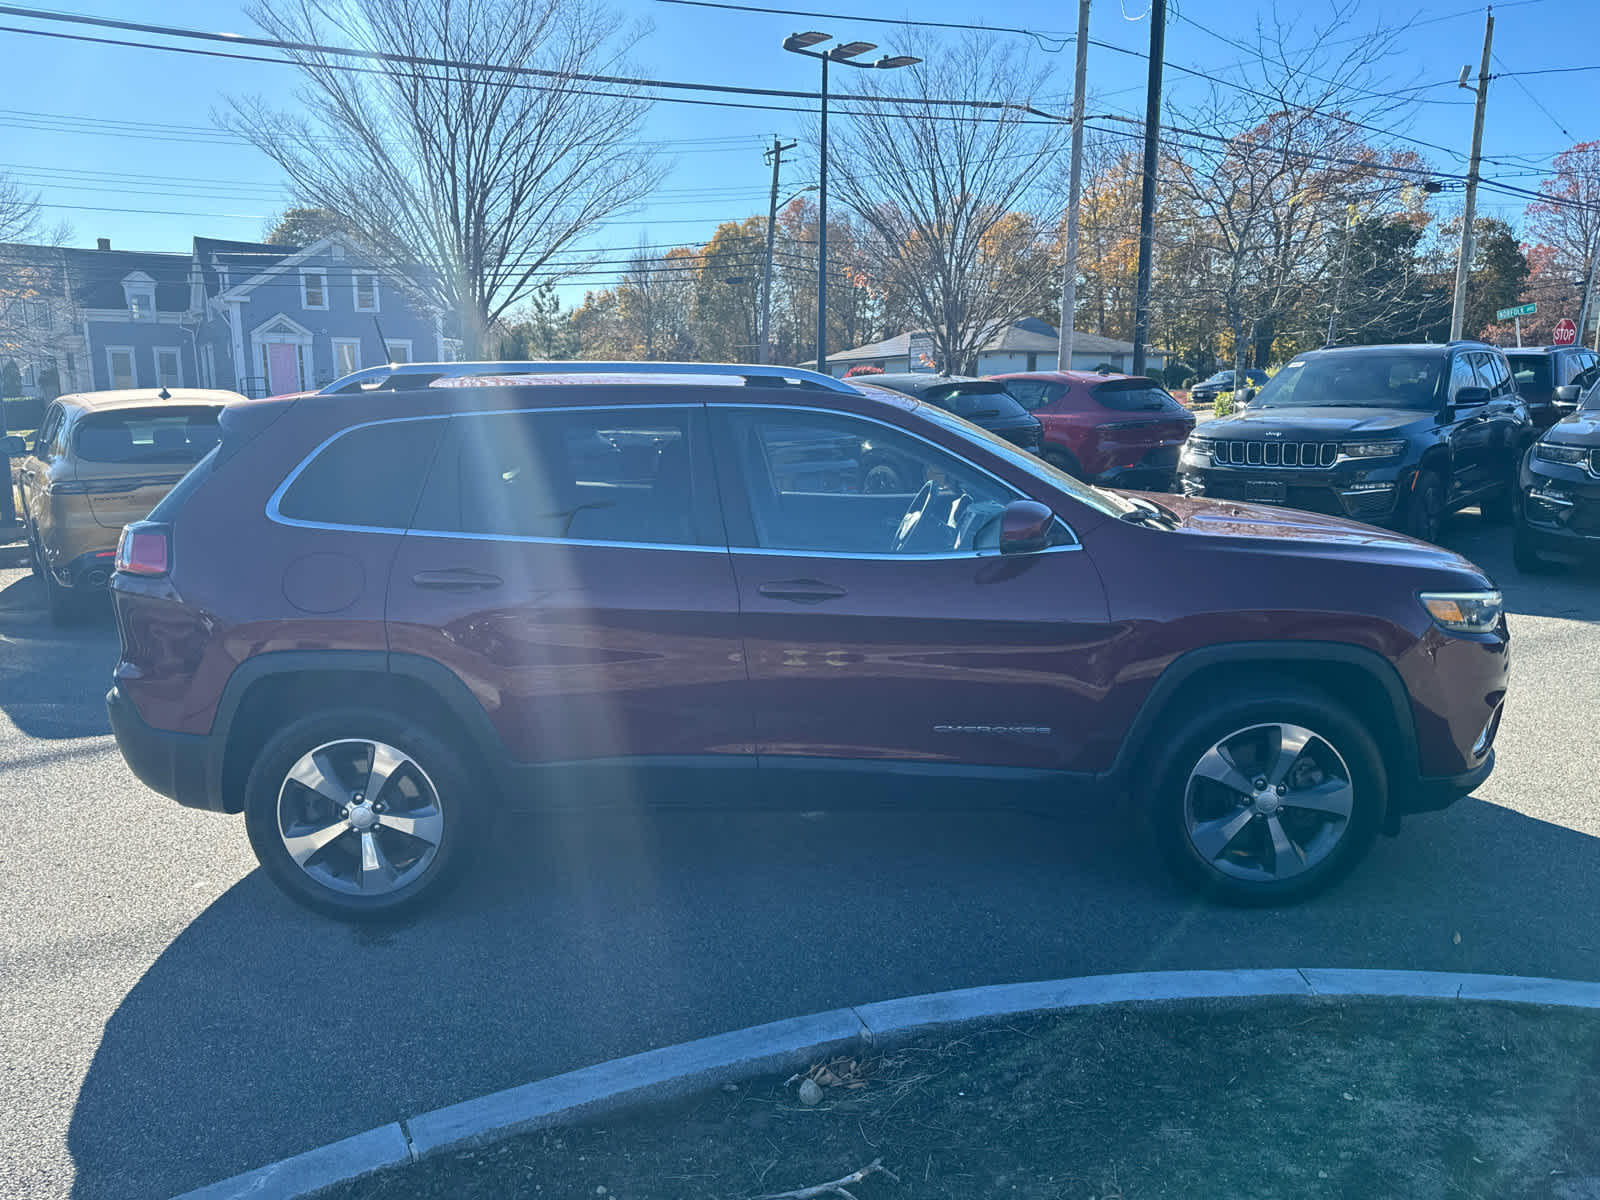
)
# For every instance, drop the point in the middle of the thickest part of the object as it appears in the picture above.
(66, 606)
(1199, 730)
(1529, 561)
(1501, 505)
(460, 801)
(1065, 460)
(1425, 508)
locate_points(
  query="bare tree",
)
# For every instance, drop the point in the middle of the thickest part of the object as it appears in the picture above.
(474, 180)
(956, 197)
(1301, 133)
(35, 308)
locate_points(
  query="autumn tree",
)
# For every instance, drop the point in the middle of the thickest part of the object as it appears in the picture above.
(948, 191)
(1566, 218)
(303, 226)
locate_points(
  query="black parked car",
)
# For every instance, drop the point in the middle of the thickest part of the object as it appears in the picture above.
(1559, 514)
(984, 402)
(1391, 435)
(1551, 378)
(1209, 389)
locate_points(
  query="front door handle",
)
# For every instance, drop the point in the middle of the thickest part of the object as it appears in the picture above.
(801, 591)
(461, 579)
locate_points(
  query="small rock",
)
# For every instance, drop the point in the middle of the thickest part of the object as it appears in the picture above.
(810, 1093)
(1456, 939)
(600, 1190)
(730, 1087)
(1348, 1096)
(1322, 1174)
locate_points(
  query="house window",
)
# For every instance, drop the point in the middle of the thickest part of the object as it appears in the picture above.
(119, 364)
(366, 293)
(399, 351)
(169, 368)
(346, 356)
(313, 289)
(141, 307)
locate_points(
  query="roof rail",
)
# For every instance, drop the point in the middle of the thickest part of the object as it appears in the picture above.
(397, 376)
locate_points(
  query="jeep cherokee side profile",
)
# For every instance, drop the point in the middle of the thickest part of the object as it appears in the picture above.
(369, 617)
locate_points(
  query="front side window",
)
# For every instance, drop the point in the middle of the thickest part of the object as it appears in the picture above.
(610, 475)
(831, 483)
(1035, 393)
(313, 289)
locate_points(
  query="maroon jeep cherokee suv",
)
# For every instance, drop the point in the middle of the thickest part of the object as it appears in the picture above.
(369, 617)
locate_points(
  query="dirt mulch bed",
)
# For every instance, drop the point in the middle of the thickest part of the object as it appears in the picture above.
(1276, 1099)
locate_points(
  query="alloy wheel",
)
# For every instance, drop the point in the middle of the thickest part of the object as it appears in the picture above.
(1268, 802)
(360, 817)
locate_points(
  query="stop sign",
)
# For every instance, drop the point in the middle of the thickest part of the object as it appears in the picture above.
(1565, 332)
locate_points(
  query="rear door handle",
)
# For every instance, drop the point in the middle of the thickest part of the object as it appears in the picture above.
(461, 579)
(801, 591)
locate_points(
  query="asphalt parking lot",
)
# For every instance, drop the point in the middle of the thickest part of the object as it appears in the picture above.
(167, 1019)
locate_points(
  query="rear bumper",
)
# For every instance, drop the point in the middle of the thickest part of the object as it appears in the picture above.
(178, 765)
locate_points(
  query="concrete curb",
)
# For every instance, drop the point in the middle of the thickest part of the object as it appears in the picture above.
(691, 1066)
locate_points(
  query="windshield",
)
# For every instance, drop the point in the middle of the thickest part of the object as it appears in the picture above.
(1354, 380)
(1102, 501)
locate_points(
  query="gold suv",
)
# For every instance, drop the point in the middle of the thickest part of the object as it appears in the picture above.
(99, 461)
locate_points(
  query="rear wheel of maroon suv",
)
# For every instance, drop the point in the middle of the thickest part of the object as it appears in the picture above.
(358, 812)
(1267, 796)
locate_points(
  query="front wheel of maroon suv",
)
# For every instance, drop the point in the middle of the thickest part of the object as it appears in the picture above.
(360, 813)
(1268, 798)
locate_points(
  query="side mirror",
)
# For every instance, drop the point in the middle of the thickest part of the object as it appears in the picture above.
(1470, 397)
(1026, 527)
(1566, 396)
(13, 445)
(1249, 395)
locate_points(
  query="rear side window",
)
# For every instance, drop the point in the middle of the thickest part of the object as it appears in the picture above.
(181, 435)
(368, 477)
(1135, 395)
(615, 475)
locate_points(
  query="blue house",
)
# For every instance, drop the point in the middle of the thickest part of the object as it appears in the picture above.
(255, 318)
(276, 319)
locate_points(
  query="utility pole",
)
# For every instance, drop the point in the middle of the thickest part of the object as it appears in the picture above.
(775, 157)
(1147, 190)
(1588, 291)
(1458, 311)
(1069, 280)
(1344, 260)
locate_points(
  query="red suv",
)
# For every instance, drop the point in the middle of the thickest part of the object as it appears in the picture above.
(368, 618)
(1120, 430)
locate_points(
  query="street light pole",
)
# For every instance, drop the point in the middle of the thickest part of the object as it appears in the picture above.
(801, 43)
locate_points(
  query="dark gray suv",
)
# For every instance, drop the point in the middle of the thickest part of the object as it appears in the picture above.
(1390, 435)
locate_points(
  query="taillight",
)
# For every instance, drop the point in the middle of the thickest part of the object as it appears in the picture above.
(145, 548)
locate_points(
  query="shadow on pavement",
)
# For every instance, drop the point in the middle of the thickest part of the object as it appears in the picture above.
(263, 1031)
(1570, 593)
(51, 680)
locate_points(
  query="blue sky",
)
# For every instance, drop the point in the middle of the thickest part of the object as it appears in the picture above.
(120, 142)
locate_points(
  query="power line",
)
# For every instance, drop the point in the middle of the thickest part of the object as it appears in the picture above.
(1536, 102)
(1040, 36)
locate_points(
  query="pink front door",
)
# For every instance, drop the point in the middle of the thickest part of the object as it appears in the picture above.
(283, 368)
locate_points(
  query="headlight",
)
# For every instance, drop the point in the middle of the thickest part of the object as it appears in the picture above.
(1371, 449)
(1464, 612)
(1201, 446)
(1555, 452)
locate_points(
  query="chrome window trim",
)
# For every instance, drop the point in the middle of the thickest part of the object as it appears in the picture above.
(277, 517)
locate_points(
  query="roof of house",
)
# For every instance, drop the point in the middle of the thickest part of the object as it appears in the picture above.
(97, 277)
(241, 259)
(1027, 336)
(147, 398)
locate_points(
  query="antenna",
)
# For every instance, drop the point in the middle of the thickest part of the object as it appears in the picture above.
(383, 342)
